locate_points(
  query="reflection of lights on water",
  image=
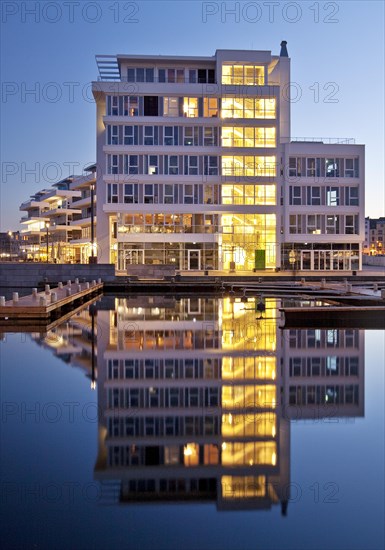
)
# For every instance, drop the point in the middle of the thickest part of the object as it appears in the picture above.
(93, 384)
(224, 446)
(274, 459)
(273, 431)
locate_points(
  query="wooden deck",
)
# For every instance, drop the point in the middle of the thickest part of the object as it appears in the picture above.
(49, 303)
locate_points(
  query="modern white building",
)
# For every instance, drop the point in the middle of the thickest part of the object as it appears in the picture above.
(197, 168)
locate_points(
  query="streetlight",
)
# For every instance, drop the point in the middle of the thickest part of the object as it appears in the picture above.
(46, 229)
(10, 245)
(93, 259)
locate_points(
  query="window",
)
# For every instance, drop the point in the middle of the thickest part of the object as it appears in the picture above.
(150, 136)
(244, 136)
(191, 135)
(333, 168)
(150, 105)
(294, 167)
(332, 196)
(295, 195)
(140, 74)
(188, 194)
(190, 107)
(250, 75)
(171, 106)
(151, 164)
(210, 107)
(313, 224)
(332, 225)
(131, 368)
(113, 369)
(206, 76)
(310, 168)
(168, 193)
(248, 166)
(173, 397)
(351, 225)
(112, 193)
(171, 75)
(130, 164)
(210, 166)
(122, 105)
(130, 135)
(171, 165)
(190, 165)
(112, 164)
(112, 135)
(130, 193)
(351, 196)
(170, 135)
(148, 193)
(210, 136)
(349, 168)
(241, 107)
(295, 223)
(313, 196)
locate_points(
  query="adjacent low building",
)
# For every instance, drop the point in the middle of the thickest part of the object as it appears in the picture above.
(197, 169)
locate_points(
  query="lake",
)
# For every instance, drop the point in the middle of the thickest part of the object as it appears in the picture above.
(151, 422)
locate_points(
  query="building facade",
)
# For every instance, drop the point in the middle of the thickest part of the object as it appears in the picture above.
(197, 169)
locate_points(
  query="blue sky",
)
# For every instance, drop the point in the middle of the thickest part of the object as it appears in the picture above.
(48, 61)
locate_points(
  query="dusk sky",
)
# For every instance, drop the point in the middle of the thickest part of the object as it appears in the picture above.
(48, 61)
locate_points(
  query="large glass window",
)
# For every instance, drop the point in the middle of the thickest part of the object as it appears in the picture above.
(140, 74)
(122, 105)
(210, 107)
(248, 166)
(243, 136)
(244, 107)
(249, 75)
(190, 107)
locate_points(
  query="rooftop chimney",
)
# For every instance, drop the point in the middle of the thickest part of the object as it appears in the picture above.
(283, 52)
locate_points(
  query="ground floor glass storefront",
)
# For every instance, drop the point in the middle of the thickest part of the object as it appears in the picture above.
(321, 257)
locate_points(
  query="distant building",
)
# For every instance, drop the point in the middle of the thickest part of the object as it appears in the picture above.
(10, 249)
(58, 220)
(374, 236)
(198, 169)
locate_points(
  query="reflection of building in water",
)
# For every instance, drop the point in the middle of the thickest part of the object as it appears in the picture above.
(74, 341)
(324, 373)
(189, 395)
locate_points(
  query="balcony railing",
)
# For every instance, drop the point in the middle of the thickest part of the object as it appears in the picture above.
(326, 140)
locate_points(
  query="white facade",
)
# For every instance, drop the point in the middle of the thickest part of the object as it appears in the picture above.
(193, 162)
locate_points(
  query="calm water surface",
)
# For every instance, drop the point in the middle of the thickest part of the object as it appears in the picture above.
(164, 423)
